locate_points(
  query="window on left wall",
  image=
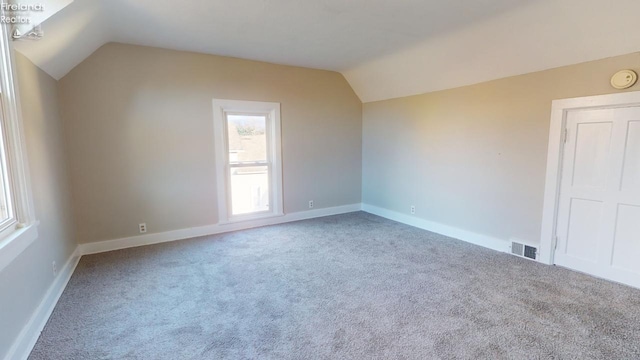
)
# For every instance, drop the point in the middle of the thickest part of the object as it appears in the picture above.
(17, 220)
(7, 212)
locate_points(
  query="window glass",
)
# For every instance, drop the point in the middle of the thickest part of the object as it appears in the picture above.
(6, 207)
(249, 189)
(247, 138)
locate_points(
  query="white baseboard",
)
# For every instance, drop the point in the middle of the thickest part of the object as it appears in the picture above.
(27, 338)
(156, 238)
(148, 239)
(450, 231)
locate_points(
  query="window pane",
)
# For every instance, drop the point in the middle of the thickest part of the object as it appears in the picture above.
(6, 210)
(247, 138)
(249, 189)
(5, 203)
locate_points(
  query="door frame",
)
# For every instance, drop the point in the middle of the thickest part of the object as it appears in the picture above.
(555, 155)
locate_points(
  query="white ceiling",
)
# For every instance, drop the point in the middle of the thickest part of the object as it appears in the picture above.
(384, 48)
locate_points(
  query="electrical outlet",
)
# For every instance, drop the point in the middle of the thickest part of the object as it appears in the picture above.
(143, 228)
(413, 209)
(311, 204)
(54, 267)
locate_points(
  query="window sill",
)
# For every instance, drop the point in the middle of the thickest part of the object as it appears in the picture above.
(250, 218)
(14, 244)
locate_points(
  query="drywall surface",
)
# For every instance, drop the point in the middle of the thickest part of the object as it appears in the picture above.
(139, 126)
(474, 157)
(26, 280)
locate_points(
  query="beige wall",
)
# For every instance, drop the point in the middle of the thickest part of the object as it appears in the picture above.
(474, 157)
(140, 136)
(29, 276)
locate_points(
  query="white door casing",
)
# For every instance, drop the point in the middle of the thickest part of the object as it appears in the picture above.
(591, 218)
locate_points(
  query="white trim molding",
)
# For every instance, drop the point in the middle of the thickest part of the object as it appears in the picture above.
(27, 338)
(15, 243)
(555, 152)
(450, 231)
(148, 239)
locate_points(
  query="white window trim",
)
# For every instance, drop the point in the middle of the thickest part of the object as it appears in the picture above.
(220, 107)
(24, 231)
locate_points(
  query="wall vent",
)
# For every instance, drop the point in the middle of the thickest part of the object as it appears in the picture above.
(517, 249)
(523, 250)
(530, 252)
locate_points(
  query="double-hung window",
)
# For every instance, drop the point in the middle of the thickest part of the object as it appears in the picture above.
(7, 210)
(17, 221)
(248, 164)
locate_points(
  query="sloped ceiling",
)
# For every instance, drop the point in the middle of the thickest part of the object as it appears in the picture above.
(385, 49)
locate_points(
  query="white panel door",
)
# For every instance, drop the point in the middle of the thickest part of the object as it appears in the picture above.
(598, 224)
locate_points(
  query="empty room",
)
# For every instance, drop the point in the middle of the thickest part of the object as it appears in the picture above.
(319, 179)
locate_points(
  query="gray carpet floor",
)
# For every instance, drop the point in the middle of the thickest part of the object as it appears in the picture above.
(352, 286)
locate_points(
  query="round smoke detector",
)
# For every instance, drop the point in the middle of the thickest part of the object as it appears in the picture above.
(624, 79)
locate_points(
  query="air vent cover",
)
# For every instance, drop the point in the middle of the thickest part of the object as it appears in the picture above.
(530, 252)
(523, 250)
(517, 249)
